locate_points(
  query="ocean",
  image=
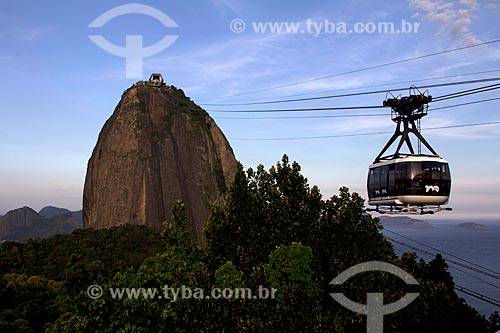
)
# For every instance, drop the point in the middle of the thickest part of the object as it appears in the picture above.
(477, 244)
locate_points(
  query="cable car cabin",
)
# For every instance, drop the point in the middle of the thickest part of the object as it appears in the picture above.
(413, 180)
(408, 182)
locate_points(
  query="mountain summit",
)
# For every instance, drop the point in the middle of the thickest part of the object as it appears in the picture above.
(25, 223)
(158, 146)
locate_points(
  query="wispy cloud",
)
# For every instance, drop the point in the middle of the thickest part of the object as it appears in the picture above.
(472, 184)
(473, 132)
(492, 5)
(18, 31)
(250, 62)
(229, 66)
(469, 3)
(356, 125)
(455, 19)
(232, 5)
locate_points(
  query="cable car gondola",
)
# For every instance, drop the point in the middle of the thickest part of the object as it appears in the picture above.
(408, 182)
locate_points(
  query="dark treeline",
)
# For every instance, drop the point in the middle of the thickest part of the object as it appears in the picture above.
(272, 230)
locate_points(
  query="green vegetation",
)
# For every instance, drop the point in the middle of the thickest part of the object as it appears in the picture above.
(187, 106)
(41, 279)
(271, 230)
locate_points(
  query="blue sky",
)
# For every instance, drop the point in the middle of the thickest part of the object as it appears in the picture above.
(58, 87)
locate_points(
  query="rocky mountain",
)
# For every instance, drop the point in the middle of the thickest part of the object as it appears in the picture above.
(25, 223)
(158, 146)
(78, 217)
(51, 211)
(23, 217)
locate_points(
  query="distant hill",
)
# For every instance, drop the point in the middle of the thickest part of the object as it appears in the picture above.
(51, 211)
(402, 221)
(77, 216)
(469, 225)
(25, 223)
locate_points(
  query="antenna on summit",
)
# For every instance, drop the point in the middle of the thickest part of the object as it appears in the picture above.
(156, 80)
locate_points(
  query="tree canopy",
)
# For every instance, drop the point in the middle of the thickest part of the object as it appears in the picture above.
(272, 234)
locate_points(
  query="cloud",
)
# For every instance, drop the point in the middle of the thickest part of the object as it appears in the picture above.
(26, 34)
(454, 21)
(15, 30)
(473, 132)
(249, 62)
(232, 5)
(226, 67)
(356, 125)
(475, 184)
(469, 3)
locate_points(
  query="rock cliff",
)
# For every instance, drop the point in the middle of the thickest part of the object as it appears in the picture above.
(158, 146)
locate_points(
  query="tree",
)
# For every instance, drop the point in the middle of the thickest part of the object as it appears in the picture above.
(494, 322)
(269, 219)
(263, 210)
(28, 302)
(271, 234)
(290, 275)
(154, 308)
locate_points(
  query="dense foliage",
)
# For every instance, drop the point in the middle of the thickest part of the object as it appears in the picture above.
(41, 278)
(272, 230)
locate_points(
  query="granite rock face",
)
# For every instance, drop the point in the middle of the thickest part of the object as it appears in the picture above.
(158, 146)
(18, 218)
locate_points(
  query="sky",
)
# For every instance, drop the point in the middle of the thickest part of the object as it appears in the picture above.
(58, 87)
